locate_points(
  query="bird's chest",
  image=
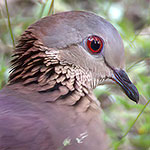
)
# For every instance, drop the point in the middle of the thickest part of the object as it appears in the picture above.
(71, 130)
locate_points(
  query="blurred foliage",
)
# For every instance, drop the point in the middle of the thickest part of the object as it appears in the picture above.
(132, 20)
(3, 72)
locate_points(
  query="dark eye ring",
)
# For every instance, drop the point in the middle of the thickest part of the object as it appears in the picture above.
(95, 44)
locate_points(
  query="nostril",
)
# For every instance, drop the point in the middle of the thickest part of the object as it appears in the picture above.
(122, 74)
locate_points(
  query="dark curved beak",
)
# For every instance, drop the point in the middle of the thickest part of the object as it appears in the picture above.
(121, 78)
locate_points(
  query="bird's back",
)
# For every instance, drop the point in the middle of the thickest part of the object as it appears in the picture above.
(27, 124)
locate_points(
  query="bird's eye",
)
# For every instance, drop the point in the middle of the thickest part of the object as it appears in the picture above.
(95, 44)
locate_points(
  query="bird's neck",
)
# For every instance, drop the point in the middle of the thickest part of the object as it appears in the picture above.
(38, 68)
(81, 103)
(62, 84)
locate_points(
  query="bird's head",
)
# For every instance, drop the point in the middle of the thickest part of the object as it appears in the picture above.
(77, 49)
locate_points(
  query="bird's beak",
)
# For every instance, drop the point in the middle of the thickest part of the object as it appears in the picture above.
(121, 78)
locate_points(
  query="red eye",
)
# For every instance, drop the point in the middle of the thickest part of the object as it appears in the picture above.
(95, 43)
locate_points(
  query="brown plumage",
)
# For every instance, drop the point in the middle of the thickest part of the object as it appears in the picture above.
(48, 103)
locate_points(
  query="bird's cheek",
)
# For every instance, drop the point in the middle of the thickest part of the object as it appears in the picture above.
(114, 57)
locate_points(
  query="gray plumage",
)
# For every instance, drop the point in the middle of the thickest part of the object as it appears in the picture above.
(49, 99)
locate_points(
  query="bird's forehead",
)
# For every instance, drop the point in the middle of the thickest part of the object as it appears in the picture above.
(64, 29)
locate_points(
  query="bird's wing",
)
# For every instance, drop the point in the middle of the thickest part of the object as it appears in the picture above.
(21, 125)
(30, 125)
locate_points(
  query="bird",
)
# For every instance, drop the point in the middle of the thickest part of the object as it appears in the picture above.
(48, 103)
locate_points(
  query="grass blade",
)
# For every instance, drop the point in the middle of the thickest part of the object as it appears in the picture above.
(43, 8)
(9, 24)
(116, 145)
(51, 9)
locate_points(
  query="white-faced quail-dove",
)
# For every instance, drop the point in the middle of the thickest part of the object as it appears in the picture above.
(49, 103)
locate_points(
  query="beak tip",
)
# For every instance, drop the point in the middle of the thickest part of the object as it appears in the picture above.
(136, 100)
(134, 95)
